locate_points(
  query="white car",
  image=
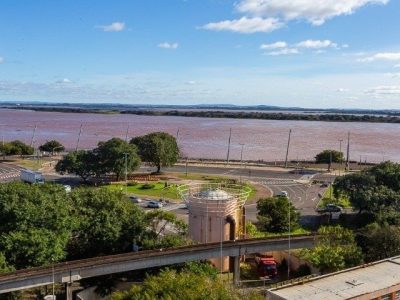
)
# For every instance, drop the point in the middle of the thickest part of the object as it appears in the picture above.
(283, 194)
(154, 204)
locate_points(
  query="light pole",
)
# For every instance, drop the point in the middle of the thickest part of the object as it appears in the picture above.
(340, 153)
(241, 162)
(288, 266)
(52, 269)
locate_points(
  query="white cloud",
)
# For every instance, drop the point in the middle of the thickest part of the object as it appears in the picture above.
(385, 56)
(285, 51)
(245, 25)
(64, 80)
(113, 27)
(396, 66)
(314, 11)
(167, 45)
(1, 60)
(316, 44)
(276, 45)
(384, 90)
(342, 90)
(190, 82)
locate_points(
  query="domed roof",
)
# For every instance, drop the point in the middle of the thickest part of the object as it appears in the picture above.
(214, 194)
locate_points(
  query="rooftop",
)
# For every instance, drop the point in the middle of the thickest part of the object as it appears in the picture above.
(345, 284)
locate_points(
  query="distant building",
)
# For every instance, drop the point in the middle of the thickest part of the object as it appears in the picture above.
(378, 281)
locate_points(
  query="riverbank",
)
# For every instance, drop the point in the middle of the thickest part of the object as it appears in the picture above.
(255, 115)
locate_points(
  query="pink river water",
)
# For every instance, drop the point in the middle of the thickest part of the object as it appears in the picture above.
(208, 138)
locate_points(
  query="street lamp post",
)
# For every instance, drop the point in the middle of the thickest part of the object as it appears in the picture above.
(340, 153)
(288, 262)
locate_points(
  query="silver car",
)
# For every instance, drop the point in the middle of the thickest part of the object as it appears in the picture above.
(154, 204)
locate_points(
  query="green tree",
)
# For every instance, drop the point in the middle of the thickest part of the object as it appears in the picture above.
(157, 221)
(356, 187)
(52, 146)
(35, 223)
(107, 223)
(170, 284)
(335, 250)
(82, 163)
(4, 267)
(111, 157)
(379, 242)
(273, 214)
(324, 157)
(17, 148)
(375, 190)
(158, 148)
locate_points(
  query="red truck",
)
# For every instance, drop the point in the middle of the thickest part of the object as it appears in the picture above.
(266, 266)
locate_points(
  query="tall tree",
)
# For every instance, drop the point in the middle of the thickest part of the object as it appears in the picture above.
(325, 156)
(158, 148)
(107, 223)
(35, 225)
(273, 214)
(112, 154)
(52, 146)
(82, 163)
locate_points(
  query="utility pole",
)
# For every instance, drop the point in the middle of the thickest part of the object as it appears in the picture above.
(33, 135)
(79, 137)
(126, 134)
(287, 149)
(241, 162)
(348, 152)
(341, 155)
(229, 146)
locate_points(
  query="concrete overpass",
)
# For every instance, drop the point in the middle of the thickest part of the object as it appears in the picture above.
(68, 272)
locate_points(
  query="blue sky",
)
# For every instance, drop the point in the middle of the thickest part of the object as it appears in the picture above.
(309, 53)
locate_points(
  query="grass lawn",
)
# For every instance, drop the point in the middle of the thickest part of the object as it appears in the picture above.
(31, 164)
(157, 190)
(326, 199)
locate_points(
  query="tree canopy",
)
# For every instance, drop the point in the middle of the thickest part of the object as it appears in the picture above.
(42, 223)
(35, 223)
(324, 157)
(16, 148)
(379, 242)
(273, 214)
(108, 157)
(111, 157)
(170, 284)
(375, 190)
(335, 250)
(82, 163)
(158, 148)
(52, 146)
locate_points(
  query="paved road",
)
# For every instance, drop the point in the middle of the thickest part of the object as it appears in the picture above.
(9, 172)
(302, 193)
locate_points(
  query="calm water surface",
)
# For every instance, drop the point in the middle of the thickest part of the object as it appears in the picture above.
(208, 138)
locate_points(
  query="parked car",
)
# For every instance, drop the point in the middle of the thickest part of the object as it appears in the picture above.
(324, 184)
(135, 199)
(333, 208)
(283, 194)
(154, 204)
